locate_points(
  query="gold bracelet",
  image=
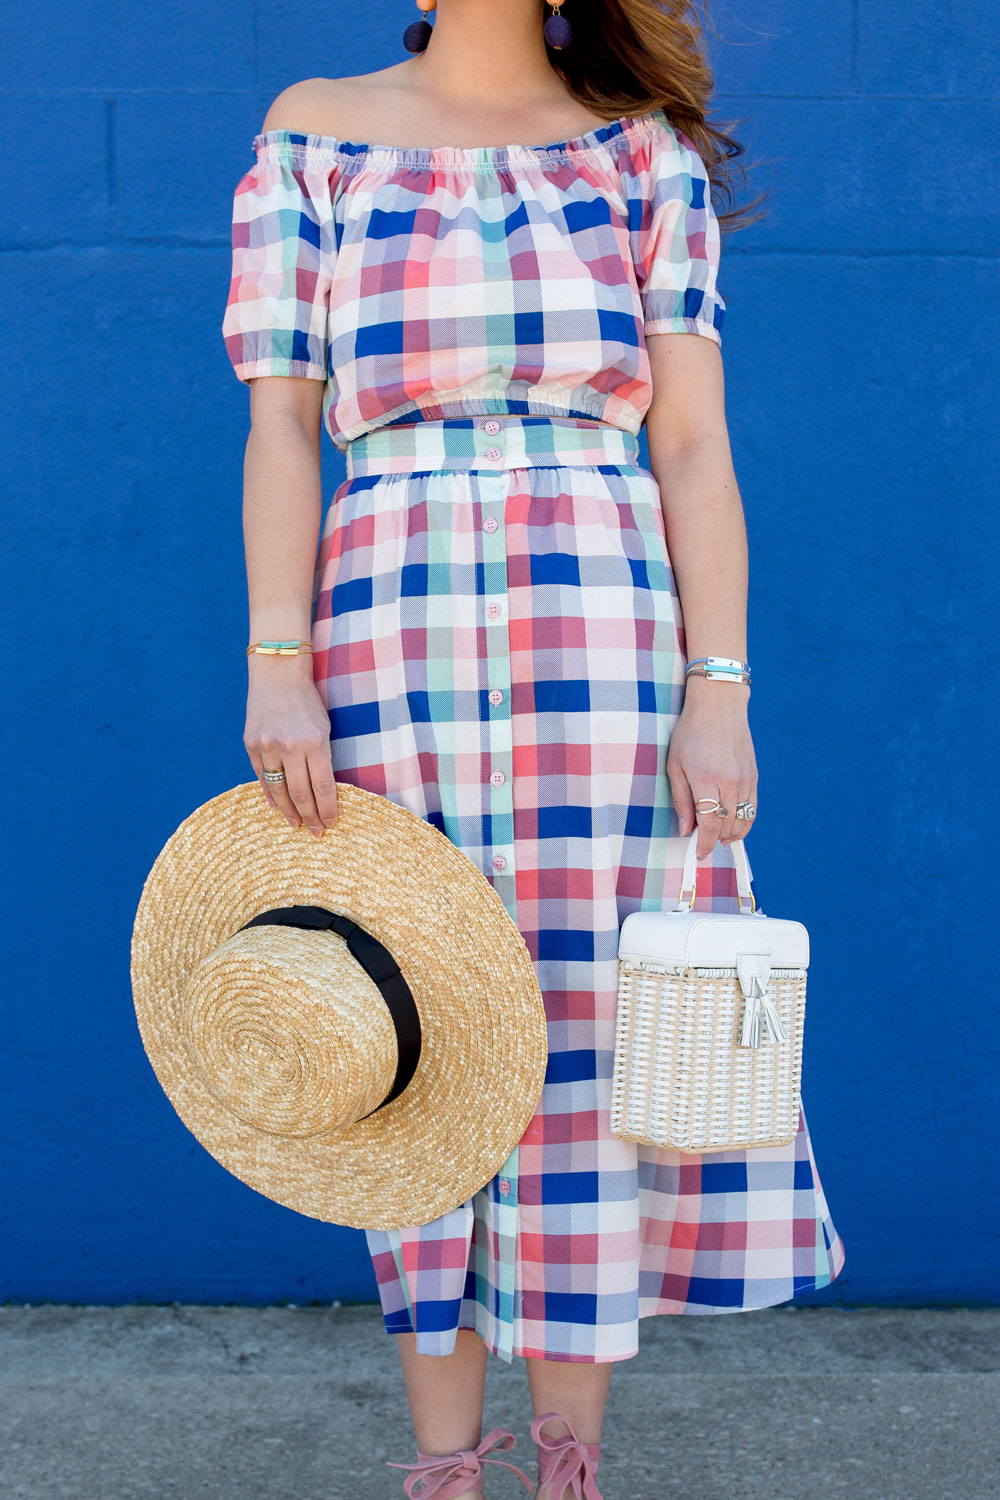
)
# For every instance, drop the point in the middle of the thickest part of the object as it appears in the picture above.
(280, 648)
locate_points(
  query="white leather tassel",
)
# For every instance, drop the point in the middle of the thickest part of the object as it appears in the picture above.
(760, 1010)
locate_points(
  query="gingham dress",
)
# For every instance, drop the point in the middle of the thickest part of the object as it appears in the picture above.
(500, 644)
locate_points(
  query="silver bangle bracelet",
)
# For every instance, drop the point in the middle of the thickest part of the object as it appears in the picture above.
(723, 663)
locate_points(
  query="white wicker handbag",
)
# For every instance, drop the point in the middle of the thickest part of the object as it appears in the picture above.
(711, 1010)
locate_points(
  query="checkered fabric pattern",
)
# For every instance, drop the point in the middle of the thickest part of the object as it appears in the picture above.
(500, 645)
(512, 278)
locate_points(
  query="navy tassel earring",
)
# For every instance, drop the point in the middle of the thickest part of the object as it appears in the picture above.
(558, 31)
(418, 33)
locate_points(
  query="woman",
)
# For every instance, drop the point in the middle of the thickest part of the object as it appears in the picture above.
(482, 324)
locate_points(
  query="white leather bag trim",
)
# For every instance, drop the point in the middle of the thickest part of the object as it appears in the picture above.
(750, 964)
(684, 940)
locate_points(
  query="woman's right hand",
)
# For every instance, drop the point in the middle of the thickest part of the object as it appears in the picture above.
(288, 728)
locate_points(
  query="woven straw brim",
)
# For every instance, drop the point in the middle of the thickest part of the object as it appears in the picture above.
(484, 1039)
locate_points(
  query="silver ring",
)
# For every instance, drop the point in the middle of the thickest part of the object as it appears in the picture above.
(746, 810)
(273, 776)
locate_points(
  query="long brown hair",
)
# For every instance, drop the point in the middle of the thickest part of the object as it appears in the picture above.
(633, 56)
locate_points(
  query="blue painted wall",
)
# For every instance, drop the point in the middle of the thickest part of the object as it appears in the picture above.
(862, 384)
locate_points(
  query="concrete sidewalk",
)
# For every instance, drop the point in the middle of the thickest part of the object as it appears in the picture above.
(146, 1403)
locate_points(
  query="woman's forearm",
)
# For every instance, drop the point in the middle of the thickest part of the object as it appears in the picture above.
(711, 754)
(707, 546)
(287, 725)
(282, 507)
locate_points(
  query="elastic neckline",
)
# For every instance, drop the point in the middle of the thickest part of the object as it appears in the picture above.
(600, 136)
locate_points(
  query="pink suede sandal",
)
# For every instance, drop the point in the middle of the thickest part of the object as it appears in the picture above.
(564, 1462)
(448, 1475)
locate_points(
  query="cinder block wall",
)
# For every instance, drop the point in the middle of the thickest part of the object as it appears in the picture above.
(861, 378)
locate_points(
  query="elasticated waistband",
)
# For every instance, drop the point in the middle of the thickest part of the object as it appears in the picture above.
(490, 443)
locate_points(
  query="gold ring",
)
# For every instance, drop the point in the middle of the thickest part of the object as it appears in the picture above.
(716, 807)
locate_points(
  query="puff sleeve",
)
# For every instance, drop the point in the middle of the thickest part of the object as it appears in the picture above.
(675, 237)
(277, 317)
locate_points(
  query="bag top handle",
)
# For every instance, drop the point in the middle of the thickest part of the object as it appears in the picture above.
(743, 875)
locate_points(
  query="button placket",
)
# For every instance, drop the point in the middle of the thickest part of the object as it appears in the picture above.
(488, 430)
(497, 744)
(497, 738)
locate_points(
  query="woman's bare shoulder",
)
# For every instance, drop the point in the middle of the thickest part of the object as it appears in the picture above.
(340, 107)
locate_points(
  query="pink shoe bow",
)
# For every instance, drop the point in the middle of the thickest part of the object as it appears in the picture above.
(565, 1462)
(444, 1476)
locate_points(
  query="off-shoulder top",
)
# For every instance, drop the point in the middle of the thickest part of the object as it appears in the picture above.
(422, 283)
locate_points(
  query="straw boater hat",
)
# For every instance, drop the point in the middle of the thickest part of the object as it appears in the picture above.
(350, 1024)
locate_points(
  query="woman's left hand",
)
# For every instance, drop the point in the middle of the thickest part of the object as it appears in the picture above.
(711, 756)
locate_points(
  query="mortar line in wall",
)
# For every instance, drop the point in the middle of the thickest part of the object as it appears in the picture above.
(254, 48)
(110, 163)
(854, 52)
(746, 252)
(835, 97)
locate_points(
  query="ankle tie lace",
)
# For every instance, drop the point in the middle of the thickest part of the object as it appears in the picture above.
(443, 1476)
(564, 1462)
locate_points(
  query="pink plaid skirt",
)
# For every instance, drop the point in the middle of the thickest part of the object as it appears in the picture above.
(499, 641)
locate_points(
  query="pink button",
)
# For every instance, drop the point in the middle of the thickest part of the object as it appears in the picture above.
(499, 863)
(504, 1186)
(494, 611)
(498, 778)
(493, 453)
(491, 426)
(496, 696)
(490, 525)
